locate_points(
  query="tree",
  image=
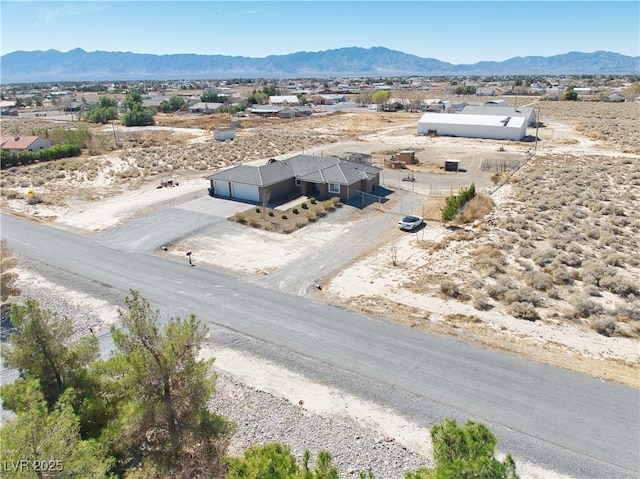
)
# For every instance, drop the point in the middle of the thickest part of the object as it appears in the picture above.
(275, 461)
(49, 439)
(570, 94)
(175, 103)
(465, 452)
(164, 422)
(380, 97)
(133, 100)
(41, 349)
(8, 278)
(139, 117)
(212, 97)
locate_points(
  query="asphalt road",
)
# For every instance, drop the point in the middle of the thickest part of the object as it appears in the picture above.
(560, 420)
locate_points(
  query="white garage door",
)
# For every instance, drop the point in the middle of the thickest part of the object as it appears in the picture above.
(221, 188)
(244, 192)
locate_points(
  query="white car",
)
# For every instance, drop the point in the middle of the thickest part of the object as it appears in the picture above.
(410, 223)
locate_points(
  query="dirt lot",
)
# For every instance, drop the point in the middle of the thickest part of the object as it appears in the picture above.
(551, 274)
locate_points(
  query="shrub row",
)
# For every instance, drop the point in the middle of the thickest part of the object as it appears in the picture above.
(10, 158)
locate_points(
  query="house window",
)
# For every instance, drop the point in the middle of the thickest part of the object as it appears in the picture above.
(334, 188)
(298, 182)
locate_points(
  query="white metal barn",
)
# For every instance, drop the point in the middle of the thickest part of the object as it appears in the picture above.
(473, 126)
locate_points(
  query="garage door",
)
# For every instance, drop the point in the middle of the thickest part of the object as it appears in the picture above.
(221, 188)
(244, 192)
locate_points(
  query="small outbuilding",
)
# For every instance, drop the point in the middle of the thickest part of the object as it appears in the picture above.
(452, 165)
(224, 133)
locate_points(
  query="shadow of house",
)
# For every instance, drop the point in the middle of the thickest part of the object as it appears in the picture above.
(302, 175)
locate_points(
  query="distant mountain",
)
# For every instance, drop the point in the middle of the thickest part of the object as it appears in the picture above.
(79, 65)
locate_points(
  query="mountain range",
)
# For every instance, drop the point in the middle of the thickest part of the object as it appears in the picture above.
(79, 65)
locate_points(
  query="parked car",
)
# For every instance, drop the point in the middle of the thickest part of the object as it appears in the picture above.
(410, 223)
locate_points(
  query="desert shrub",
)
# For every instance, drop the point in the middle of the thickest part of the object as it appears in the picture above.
(570, 259)
(34, 199)
(523, 310)
(295, 211)
(584, 307)
(312, 200)
(614, 259)
(480, 301)
(304, 205)
(539, 280)
(497, 290)
(604, 325)
(618, 285)
(284, 217)
(597, 269)
(450, 288)
(592, 290)
(545, 257)
(311, 217)
(257, 210)
(522, 295)
(272, 214)
(12, 194)
(476, 209)
(490, 266)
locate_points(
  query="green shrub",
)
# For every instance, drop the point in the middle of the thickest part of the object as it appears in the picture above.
(454, 203)
(284, 217)
(304, 205)
(271, 213)
(295, 211)
(312, 200)
(257, 210)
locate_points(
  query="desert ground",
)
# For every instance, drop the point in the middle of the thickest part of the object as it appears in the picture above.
(550, 272)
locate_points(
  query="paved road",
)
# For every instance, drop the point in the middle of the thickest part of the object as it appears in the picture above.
(557, 419)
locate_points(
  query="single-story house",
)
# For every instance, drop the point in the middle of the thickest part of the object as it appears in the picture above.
(473, 126)
(279, 111)
(206, 107)
(317, 176)
(525, 111)
(291, 100)
(24, 143)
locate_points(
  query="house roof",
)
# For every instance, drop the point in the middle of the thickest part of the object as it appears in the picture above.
(205, 106)
(313, 169)
(284, 99)
(18, 142)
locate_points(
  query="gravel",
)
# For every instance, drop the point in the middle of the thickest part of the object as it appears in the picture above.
(263, 418)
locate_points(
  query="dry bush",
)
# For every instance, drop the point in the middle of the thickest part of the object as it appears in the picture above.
(523, 310)
(476, 209)
(450, 288)
(481, 301)
(521, 294)
(539, 281)
(583, 307)
(462, 235)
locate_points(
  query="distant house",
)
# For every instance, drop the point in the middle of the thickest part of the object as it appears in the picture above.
(206, 107)
(290, 100)
(317, 176)
(24, 143)
(279, 111)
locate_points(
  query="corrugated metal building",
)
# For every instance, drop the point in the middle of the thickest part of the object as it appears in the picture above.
(473, 126)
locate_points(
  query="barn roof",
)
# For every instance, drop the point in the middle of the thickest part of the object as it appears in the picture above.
(476, 120)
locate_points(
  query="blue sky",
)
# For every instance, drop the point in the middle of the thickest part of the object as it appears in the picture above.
(453, 31)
